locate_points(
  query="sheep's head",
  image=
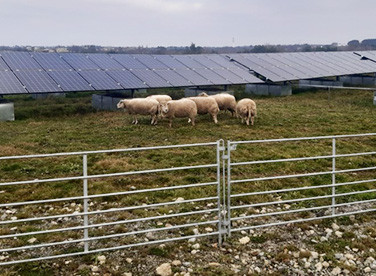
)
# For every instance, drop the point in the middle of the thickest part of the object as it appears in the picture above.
(164, 108)
(121, 104)
(203, 94)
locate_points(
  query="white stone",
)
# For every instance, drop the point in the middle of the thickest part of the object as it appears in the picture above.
(194, 252)
(179, 199)
(209, 229)
(192, 240)
(335, 227)
(101, 259)
(196, 246)
(336, 271)
(318, 266)
(244, 240)
(176, 263)
(195, 231)
(127, 274)
(314, 255)
(32, 240)
(307, 264)
(164, 270)
(129, 260)
(349, 256)
(325, 264)
(95, 268)
(338, 234)
(214, 264)
(367, 270)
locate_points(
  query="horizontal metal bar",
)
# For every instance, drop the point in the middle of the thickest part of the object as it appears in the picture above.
(301, 220)
(108, 194)
(106, 151)
(108, 210)
(303, 158)
(108, 249)
(107, 175)
(338, 87)
(96, 238)
(302, 138)
(304, 188)
(107, 224)
(300, 175)
(300, 199)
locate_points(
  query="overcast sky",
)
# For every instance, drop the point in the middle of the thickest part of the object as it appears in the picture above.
(181, 22)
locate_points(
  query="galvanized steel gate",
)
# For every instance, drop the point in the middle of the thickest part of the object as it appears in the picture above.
(158, 213)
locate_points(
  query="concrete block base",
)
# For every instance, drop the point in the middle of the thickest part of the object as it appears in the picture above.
(6, 111)
(268, 90)
(323, 82)
(359, 80)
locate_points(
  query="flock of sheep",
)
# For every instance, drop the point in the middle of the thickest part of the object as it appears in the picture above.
(163, 106)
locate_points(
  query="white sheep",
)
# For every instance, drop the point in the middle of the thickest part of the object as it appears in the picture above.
(206, 105)
(179, 109)
(245, 109)
(141, 106)
(160, 98)
(225, 101)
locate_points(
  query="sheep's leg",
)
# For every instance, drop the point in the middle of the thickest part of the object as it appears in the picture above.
(189, 120)
(193, 121)
(232, 112)
(252, 120)
(136, 121)
(215, 118)
(154, 120)
(242, 119)
(170, 123)
(247, 121)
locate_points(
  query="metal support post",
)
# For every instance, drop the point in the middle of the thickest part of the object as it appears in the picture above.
(333, 176)
(219, 149)
(85, 189)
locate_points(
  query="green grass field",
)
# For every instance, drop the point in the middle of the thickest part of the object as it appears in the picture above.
(70, 124)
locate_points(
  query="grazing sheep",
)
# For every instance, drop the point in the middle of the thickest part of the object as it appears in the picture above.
(141, 106)
(245, 109)
(206, 105)
(179, 109)
(160, 98)
(225, 101)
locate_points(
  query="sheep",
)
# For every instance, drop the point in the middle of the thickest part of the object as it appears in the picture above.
(179, 109)
(160, 98)
(225, 101)
(245, 109)
(206, 105)
(141, 106)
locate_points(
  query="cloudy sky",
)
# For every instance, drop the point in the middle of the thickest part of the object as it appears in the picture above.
(181, 22)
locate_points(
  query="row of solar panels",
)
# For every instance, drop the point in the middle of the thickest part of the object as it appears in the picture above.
(279, 67)
(22, 72)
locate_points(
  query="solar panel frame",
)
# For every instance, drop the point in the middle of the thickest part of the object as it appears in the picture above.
(367, 66)
(36, 81)
(70, 80)
(51, 61)
(340, 59)
(188, 61)
(129, 62)
(151, 62)
(99, 80)
(223, 61)
(105, 62)
(205, 61)
(338, 69)
(193, 76)
(20, 61)
(151, 78)
(80, 62)
(293, 63)
(229, 75)
(173, 78)
(170, 61)
(127, 79)
(3, 65)
(9, 84)
(212, 76)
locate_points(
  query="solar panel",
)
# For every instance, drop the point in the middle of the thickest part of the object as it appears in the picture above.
(193, 77)
(105, 62)
(129, 62)
(229, 75)
(20, 61)
(70, 81)
(3, 65)
(247, 76)
(173, 77)
(151, 62)
(79, 61)
(37, 81)
(151, 78)
(188, 61)
(365, 65)
(223, 61)
(9, 84)
(205, 61)
(336, 68)
(170, 62)
(211, 76)
(324, 70)
(100, 80)
(51, 61)
(126, 79)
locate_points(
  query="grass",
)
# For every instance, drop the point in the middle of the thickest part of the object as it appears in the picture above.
(70, 124)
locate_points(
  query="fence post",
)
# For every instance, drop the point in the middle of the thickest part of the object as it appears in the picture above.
(228, 188)
(333, 176)
(219, 149)
(85, 189)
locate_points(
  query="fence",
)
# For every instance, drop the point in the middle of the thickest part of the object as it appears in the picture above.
(99, 209)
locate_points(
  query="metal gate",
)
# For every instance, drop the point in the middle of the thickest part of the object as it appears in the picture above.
(325, 184)
(206, 190)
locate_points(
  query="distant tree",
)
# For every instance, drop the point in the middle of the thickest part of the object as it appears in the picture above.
(353, 43)
(369, 42)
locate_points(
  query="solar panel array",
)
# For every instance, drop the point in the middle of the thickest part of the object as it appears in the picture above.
(23, 72)
(279, 67)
